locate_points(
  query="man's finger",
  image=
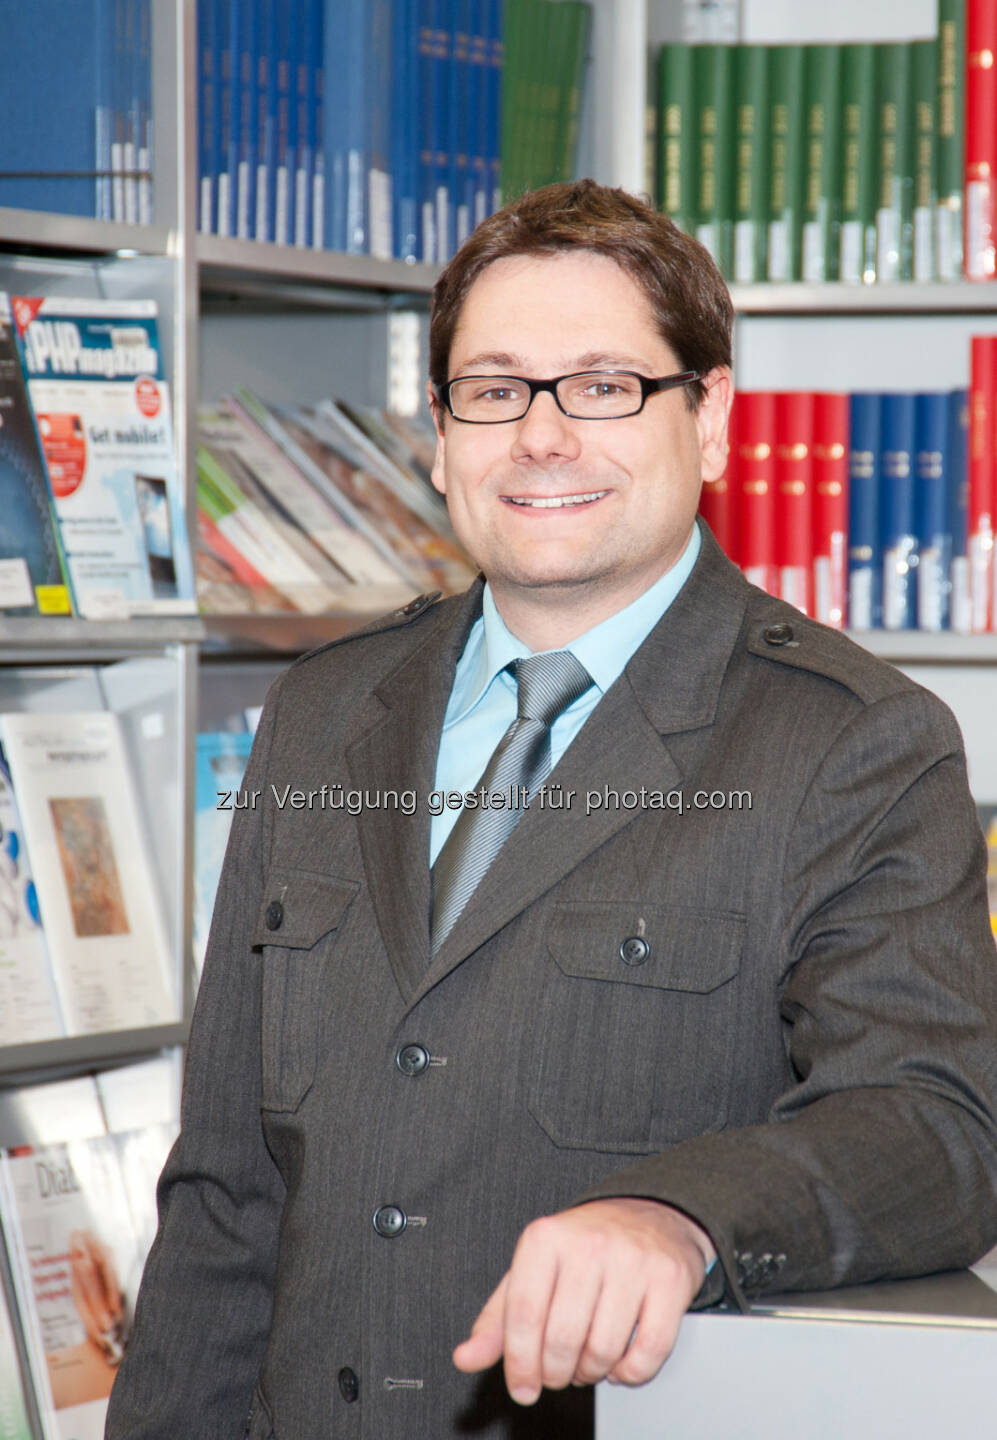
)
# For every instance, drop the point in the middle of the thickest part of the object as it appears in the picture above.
(569, 1319)
(655, 1334)
(483, 1347)
(533, 1276)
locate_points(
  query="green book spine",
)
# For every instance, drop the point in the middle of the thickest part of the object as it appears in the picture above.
(822, 175)
(677, 140)
(858, 164)
(714, 206)
(536, 44)
(515, 15)
(949, 168)
(750, 162)
(580, 34)
(785, 161)
(552, 95)
(895, 181)
(924, 197)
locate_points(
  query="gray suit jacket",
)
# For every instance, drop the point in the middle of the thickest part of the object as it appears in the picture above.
(804, 1059)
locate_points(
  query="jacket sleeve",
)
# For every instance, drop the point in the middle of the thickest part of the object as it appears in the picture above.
(881, 1159)
(204, 1305)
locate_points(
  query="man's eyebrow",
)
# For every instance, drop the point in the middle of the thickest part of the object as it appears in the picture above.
(502, 361)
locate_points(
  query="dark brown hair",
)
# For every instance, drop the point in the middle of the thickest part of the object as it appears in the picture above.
(688, 297)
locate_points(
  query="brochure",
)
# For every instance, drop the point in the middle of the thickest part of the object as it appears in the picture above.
(102, 408)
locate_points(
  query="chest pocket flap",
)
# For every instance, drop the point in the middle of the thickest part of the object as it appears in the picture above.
(635, 944)
(299, 907)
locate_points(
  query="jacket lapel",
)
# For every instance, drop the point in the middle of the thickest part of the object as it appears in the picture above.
(671, 684)
(398, 752)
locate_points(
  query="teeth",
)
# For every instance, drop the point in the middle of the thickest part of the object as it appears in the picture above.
(555, 502)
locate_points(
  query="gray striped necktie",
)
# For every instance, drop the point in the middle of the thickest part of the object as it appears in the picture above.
(548, 684)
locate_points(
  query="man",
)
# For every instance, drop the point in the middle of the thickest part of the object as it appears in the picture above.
(714, 1015)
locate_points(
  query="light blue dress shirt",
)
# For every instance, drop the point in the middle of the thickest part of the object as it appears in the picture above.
(483, 700)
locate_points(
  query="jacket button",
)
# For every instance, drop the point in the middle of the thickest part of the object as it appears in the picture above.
(275, 915)
(778, 634)
(349, 1385)
(634, 951)
(389, 1221)
(412, 1059)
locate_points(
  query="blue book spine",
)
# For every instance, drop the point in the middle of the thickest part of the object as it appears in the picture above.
(898, 526)
(234, 117)
(144, 157)
(224, 200)
(315, 94)
(496, 53)
(205, 116)
(461, 130)
(103, 110)
(379, 99)
(405, 131)
(957, 477)
(301, 228)
(442, 99)
(357, 129)
(133, 121)
(266, 121)
(334, 122)
(426, 175)
(282, 204)
(478, 120)
(119, 72)
(934, 539)
(864, 570)
(250, 41)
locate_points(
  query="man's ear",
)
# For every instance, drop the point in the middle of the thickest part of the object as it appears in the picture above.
(711, 418)
(437, 474)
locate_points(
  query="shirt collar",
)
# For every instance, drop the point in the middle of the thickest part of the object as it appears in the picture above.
(604, 650)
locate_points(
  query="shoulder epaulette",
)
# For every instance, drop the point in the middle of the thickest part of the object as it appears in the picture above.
(393, 620)
(782, 634)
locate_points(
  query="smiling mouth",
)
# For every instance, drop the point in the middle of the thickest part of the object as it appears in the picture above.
(554, 502)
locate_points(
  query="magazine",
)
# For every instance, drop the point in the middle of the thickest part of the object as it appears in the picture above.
(231, 497)
(76, 1264)
(432, 561)
(334, 528)
(28, 1007)
(103, 413)
(32, 580)
(95, 883)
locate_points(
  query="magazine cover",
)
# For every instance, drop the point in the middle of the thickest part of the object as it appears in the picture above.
(76, 1267)
(103, 413)
(221, 762)
(32, 581)
(28, 1009)
(95, 880)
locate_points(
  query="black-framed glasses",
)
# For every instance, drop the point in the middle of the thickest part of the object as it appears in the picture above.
(588, 395)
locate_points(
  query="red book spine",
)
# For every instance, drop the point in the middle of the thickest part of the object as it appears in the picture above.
(830, 508)
(794, 555)
(716, 500)
(755, 473)
(982, 462)
(981, 139)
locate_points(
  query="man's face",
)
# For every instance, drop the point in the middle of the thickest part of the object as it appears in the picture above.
(546, 316)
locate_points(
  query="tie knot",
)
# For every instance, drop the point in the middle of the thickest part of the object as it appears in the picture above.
(548, 684)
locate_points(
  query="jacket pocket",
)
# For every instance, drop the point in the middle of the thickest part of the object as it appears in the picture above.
(636, 1033)
(299, 910)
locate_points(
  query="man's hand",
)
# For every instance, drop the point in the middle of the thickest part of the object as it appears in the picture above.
(597, 1291)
